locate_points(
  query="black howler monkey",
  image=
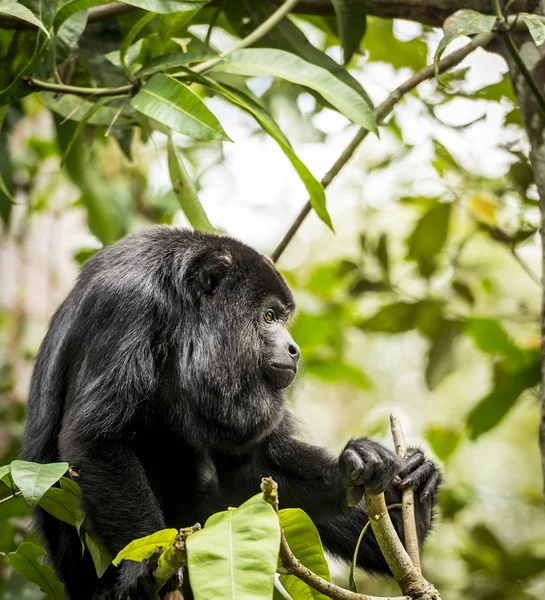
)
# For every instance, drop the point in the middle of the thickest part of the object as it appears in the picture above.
(160, 381)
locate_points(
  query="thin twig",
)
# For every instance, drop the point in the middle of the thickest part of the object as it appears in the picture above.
(10, 497)
(381, 112)
(252, 37)
(407, 502)
(48, 86)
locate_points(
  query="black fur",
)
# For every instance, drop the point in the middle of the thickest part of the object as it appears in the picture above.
(160, 382)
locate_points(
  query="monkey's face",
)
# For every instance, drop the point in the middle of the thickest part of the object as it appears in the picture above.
(281, 353)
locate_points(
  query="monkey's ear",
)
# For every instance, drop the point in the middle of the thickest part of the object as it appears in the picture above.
(212, 271)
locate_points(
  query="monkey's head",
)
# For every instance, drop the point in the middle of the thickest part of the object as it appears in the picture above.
(236, 318)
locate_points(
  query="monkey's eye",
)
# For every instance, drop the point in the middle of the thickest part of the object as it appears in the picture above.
(270, 316)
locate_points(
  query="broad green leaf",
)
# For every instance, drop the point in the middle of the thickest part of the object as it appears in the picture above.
(443, 440)
(337, 371)
(246, 15)
(185, 191)
(4, 472)
(154, 6)
(462, 22)
(507, 388)
(101, 558)
(429, 237)
(440, 355)
(381, 45)
(33, 479)
(426, 316)
(63, 505)
(536, 27)
(277, 63)
(78, 109)
(351, 22)
(313, 186)
(173, 104)
(25, 562)
(491, 338)
(235, 556)
(144, 547)
(169, 62)
(14, 9)
(304, 540)
(93, 109)
(15, 507)
(129, 39)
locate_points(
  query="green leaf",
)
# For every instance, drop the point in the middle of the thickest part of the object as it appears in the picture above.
(176, 106)
(426, 316)
(14, 508)
(429, 237)
(236, 554)
(313, 186)
(154, 6)
(443, 440)
(4, 472)
(101, 557)
(25, 562)
(507, 388)
(185, 191)
(14, 9)
(351, 22)
(78, 110)
(129, 39)
(304, 540)
(142, 548)
(462, 22)
(63, 505)
(277, 63)
(336, 371)
(33, 479)
(93, 109)
(440, 354)
(535, 25)
(383, 256)
(168, 62)
(245, 16)
(490, 337)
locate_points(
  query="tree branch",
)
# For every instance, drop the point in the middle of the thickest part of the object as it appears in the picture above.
(381, 112)
(407, 503)
(293, 566)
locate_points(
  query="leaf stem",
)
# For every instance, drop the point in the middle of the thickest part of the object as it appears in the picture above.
(10, 497)
(381, 112)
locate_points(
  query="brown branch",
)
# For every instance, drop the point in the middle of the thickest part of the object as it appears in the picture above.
(381, 112)
(407, 503)
(408, 577)
(412, 583)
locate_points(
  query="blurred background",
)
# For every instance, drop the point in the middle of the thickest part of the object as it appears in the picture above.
(425, 301)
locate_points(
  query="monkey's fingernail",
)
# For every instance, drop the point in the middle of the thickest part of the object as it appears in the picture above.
(397, 480)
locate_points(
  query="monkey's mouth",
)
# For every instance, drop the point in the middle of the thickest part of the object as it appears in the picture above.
(281, 374)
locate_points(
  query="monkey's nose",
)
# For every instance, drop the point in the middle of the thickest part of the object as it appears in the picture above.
(294, 351)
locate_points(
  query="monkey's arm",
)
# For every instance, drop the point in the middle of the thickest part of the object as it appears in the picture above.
(312, 479)
(119, 507)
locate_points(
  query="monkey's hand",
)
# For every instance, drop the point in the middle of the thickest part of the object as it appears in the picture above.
(135, 581)
(366, 464)
(421, 474)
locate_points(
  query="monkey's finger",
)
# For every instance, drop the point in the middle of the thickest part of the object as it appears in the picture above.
(352, 460)
(430, 488)
(411, 463)
(419, 476)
